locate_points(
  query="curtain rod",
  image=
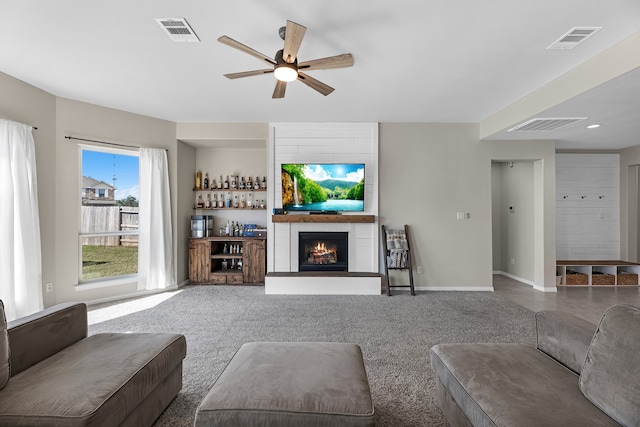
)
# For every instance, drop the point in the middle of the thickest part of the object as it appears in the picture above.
(104, 142)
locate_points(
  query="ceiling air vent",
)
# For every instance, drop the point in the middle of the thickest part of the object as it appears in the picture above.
(540, 124)
(574, 37)
(178, 29)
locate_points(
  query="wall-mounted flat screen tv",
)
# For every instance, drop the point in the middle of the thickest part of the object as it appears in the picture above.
(323, 187)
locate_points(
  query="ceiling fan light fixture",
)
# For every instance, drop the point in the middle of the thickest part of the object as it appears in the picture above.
(285, 72)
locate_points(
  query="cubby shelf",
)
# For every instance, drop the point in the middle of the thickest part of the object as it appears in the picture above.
(597, 273)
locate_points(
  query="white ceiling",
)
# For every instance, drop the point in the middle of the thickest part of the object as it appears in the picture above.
(415, 60)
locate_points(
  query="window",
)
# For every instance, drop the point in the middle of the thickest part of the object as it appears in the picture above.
(108, 238)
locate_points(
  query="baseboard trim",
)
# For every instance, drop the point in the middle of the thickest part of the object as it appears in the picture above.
(455, 288)
(527, 282)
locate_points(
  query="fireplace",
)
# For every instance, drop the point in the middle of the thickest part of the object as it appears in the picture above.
(323, 251)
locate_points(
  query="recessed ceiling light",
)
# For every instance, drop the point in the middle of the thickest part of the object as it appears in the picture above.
(593, 126)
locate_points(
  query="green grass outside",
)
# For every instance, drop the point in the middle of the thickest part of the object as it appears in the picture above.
(108, 261)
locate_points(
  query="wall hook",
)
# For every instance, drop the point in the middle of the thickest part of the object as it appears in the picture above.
(583, 197)
(565, 197)
(600, 197)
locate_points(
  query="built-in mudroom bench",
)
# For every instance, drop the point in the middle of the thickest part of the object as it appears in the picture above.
(596, 273)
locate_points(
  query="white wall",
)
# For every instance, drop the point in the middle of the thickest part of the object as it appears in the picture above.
(588, 206)
(324, 143)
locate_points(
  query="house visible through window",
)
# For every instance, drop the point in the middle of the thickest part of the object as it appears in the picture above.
(108, 238)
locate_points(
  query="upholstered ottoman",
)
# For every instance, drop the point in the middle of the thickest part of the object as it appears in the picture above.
(290, 384)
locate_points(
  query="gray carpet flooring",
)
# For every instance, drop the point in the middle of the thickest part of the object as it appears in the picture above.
(395, 334)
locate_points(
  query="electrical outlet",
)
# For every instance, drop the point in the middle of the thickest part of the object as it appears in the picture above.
(419, 270)
(49, 287)
(460, 215)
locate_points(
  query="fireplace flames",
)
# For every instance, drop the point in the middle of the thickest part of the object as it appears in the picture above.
(321, 255)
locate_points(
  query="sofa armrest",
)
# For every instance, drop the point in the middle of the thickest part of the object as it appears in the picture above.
(564, 337)
(40, 335)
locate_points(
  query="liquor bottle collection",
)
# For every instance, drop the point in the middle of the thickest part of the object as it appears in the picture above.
(231, 183)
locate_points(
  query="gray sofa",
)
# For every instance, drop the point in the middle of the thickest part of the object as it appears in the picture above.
(53, 374)
(577, 375)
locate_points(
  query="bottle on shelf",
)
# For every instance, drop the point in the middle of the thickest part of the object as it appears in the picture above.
(225, 249)
(249, 183)
(227, 229)
(240, 234)
(231, 229)
(234, 182)
(242, 183)
(249, 201)
(206, 181)
(239, 264)
(236, 204)
(243, 203)
(228, 201)
(256, 183)
(198, 180)
(221, 230)
(207, 203)
(226, 183)
(224, 264)
(236, 230)
(219, 182)
(200, 202)
(263, 185)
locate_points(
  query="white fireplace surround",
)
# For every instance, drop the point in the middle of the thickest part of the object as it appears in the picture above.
(323, 143)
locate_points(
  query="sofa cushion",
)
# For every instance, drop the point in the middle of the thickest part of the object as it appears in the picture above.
(513, 385)
(5, 366)
(611, 370)
(564, 337)
(96, 381)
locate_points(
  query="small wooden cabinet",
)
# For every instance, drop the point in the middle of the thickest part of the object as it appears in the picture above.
(209, 256)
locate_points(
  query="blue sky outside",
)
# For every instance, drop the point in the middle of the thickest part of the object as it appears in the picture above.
(105, 166)
(346, 172)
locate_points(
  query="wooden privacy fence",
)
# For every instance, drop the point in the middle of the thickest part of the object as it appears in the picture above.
(98, 219)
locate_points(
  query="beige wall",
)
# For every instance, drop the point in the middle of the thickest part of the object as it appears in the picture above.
(513, 234)
(428, 172)
(629, 203)
(26, 104)
(88, 121)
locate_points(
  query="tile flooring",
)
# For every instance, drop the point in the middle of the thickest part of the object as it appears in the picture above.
(589, 303)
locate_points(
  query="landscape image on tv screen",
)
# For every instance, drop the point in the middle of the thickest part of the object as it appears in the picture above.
(323, 187)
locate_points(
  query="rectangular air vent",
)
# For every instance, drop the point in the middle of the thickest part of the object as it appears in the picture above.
(545, 124)
(178, 29)
(574, 37)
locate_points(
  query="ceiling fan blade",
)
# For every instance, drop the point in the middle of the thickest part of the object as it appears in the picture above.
(338, 61)
(281, 87)
(292, 40)
(246, 49)
(247, 74)
(315, 84)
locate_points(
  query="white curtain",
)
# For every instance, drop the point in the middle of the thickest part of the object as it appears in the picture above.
(155, 244)
(20, 256)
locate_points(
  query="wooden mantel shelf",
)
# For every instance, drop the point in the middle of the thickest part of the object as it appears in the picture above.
(324, 218)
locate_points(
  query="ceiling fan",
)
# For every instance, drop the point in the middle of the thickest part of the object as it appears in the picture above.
(286, 67)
